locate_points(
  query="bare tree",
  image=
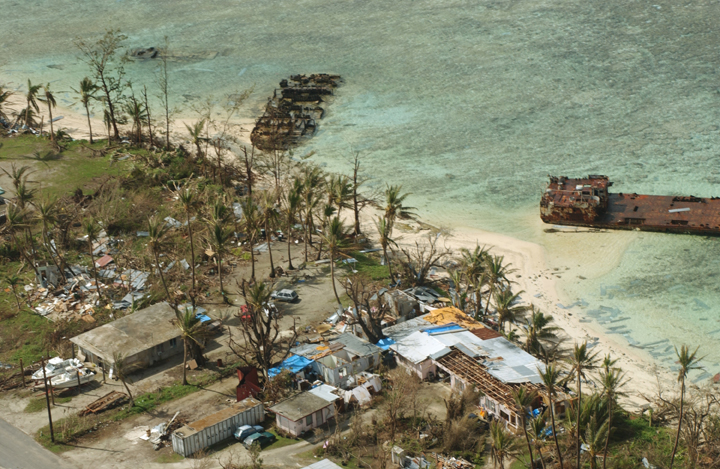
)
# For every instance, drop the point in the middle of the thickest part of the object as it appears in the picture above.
(260, 330)
(361, 291)
(108, 69)
(423, 257)
(161, 79)
(359, 201)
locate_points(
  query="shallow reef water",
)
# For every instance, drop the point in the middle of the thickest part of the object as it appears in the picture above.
(469, 105)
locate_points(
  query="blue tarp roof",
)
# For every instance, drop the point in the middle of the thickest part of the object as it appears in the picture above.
(444, 328)
(385, 343)
(294, 363)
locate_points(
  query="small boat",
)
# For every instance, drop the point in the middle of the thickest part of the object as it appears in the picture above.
(56, 366)
(69, 379)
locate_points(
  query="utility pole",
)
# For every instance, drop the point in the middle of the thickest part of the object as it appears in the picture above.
(47, 399)
(22, 372)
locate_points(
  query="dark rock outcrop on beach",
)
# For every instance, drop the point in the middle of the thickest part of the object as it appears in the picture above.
(292, 112)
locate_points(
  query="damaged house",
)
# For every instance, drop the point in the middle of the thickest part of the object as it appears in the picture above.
(337, 360)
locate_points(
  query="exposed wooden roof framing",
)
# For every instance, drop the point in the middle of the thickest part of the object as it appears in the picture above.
(473, 372)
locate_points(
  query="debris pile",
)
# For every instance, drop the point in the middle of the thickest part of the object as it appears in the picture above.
(107, 402)
(293, 114)
(447, 462)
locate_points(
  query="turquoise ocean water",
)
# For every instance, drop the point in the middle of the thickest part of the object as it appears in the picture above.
(470, 105)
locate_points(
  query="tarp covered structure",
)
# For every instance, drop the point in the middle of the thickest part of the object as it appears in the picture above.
(293, 363)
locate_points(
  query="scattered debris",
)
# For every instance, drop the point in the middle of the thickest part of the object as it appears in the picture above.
(107, 402)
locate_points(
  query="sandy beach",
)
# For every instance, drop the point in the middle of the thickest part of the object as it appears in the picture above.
(534, 274)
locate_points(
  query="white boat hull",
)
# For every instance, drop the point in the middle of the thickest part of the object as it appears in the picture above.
(70, 379)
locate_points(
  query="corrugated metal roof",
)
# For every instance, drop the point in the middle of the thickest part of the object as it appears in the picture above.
(324, 464)
(417, 347)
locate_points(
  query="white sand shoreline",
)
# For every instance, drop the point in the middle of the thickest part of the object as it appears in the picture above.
(533, 275)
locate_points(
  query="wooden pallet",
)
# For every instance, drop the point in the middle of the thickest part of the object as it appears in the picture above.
(106, 402)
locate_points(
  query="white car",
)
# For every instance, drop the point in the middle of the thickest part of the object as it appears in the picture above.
(284, 295)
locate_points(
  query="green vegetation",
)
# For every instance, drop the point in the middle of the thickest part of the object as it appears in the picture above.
(369, 265)
(150, 400)
(169, 458)
(281, 441)
(40, 403)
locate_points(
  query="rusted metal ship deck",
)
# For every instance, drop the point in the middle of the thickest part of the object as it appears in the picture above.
(587, 202)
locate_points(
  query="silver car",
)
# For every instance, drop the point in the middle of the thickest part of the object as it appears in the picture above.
(284, 295)
(246, 430)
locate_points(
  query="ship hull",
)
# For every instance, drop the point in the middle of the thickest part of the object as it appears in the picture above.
(665, 214)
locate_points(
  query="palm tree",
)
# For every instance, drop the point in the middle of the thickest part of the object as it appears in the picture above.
(502, 444)
(523, 399)
(92, 230)
(196, 138)
(551, 378)
(538, 329)
(339, 191)
(538, 426)
(122, 372)
(188, 200)
(87, 93)
(612, 379)
(24, 194)
(218, 237)
(31, 99)
(17, 221)
(383, 228)
(192, 331)
(581, 361)
(4, 100)
(156, 243)
(293, 201)
(394, 205)
(269, 219)
(496, 277)
(13, 282)
(46, 213)
(49, 99)
(251, 223)
(688, 361)
(312, 181)
(474, 264)
(335, 236)
(138, 114)
(596, 434)
(504, 303)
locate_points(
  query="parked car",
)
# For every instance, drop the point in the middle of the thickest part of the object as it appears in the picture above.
(284, 295)
(245, 431)
(262, 439)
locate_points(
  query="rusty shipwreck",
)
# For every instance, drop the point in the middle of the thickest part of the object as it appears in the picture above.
(291, 114)
(587, 202)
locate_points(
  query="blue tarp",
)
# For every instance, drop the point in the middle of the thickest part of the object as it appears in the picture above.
(294, 363)
(385, 343)
(203, 317)
(444, 328)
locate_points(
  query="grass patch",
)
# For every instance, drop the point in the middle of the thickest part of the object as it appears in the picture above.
(169, 458)
(149, 400)
(38, 404)
(280, 442)
(370, 266)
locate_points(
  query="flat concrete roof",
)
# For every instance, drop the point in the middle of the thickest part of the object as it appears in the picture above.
(300, 406)
(131, 334)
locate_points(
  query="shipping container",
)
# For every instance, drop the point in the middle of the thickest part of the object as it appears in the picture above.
(217, 427)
